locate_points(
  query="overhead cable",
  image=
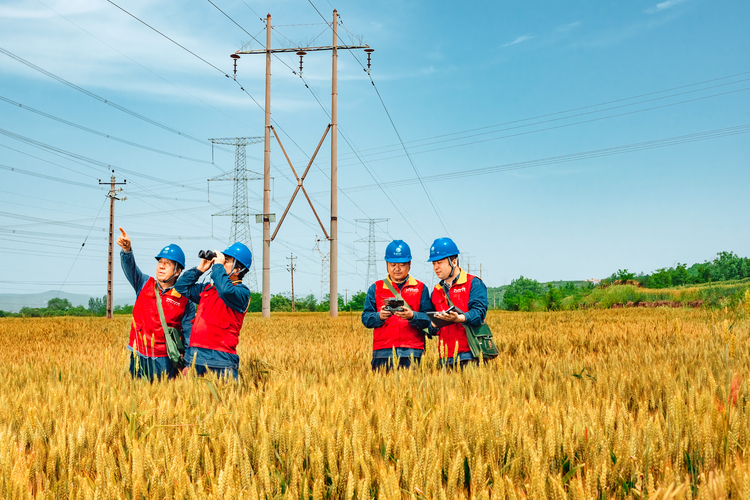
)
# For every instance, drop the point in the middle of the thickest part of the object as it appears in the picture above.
(102, 99)
(101, 134)
(144, 67)
(616, 150)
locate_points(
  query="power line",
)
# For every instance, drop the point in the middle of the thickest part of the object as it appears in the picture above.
(50, 162)
(47, 177)
(565, 125)
(398, 135)
(101, 99)
(579, 108)
(392, 200)
(82, 245)
(107, 166)
(144, 67)
(573, 116)
(101, 134)
(597, 153)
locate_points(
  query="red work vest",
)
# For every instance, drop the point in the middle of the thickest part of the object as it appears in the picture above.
(455, 332)
(216, 325)
(146, 331)
(397, 332)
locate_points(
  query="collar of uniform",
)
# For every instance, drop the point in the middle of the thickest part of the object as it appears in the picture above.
(410, 281)
(462, 278)
(236, 282)
(171, 290)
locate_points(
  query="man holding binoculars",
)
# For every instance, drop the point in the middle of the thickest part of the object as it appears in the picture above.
(221, 309)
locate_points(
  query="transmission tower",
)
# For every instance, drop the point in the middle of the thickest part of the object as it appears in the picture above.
(372, 259)
(325, 267)
(240, 212)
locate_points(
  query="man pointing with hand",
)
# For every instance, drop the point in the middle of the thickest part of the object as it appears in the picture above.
(147, 337)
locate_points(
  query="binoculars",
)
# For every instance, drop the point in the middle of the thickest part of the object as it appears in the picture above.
(207, 254)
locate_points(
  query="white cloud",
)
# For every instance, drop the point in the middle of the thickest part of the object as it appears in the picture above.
(520, 39)
(568, 27)
(668, 4)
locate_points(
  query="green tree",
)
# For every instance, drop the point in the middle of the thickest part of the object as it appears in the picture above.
(309, 303)
(98, 307)
(357, 302)
(521, 288)
(623, 275)
(126, 309)
(553, 297)
(680, 275)
(325, 305)
(281, 303)
(256, 302)
(58, 304)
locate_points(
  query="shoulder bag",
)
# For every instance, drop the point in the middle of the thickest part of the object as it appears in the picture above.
(479, 337)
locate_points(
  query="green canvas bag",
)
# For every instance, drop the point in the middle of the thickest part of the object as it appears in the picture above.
(479, 337)
(175, 348)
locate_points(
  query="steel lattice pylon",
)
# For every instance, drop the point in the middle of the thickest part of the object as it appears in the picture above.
(372, 260)
(240, 211)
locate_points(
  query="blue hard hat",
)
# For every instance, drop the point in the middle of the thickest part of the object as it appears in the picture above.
(172, 252)
(241, 253)
(442, 248)
(397, 251)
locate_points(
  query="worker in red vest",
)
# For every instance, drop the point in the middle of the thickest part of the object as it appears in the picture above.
(397, 330)
(147, 343)
(221, 310)
(468, 293)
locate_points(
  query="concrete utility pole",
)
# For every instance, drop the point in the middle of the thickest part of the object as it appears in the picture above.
(333, 127)
(291, 267)
(266, 287)
(325, 269)
(112, 195)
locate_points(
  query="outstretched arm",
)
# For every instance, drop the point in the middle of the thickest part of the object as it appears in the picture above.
(135, 276)
(188, 285)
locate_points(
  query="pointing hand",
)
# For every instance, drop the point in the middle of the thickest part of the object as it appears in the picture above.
(124, 241)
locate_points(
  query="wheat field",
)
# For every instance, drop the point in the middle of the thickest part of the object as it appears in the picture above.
(582, 404)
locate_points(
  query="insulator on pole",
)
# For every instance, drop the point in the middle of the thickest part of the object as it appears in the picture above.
(235, 57)
(369, 54)
(301, 53)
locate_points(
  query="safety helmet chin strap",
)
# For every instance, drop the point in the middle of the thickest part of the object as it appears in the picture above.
(174, 274)
(453, 268)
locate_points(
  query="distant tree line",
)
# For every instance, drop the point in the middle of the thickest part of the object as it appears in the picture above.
(98, 306)
(525, 294)
(63, 307)
(283, 302)
(726, 266)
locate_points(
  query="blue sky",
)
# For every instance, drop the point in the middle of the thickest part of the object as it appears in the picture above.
(573, 92)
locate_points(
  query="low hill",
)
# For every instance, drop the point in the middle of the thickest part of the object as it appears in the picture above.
(13, 302)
